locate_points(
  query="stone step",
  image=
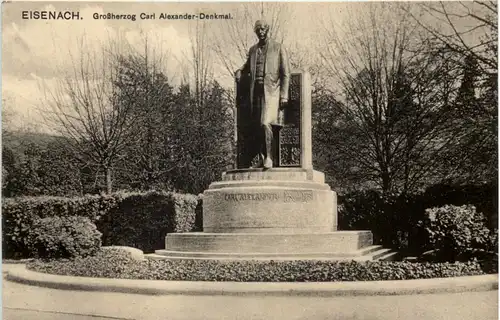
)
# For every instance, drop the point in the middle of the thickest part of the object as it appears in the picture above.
(378, 254)
(268, 183)
(362, 254)
(154, 256)
(288, 174)
(269, 243)
(391, 256)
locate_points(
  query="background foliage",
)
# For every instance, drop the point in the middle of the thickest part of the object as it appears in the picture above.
(139, 220)
(395, 219)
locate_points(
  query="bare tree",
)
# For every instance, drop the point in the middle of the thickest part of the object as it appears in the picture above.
(84, 108)
(392, 100)
(203, 118)
(469, 28)
(232, 41)
(143, 84)
(201, 62)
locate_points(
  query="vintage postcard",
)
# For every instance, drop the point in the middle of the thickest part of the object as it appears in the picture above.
(250, 160)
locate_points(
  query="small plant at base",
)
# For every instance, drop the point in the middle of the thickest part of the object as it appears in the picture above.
(457, 233)
(64, 237)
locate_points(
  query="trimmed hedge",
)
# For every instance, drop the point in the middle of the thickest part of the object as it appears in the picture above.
(139, 220)
(116, 264)
(394, 218)
(64, 237)
(142, 220)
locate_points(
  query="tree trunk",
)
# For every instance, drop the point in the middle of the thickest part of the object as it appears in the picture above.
(109, 184)
(386, 182)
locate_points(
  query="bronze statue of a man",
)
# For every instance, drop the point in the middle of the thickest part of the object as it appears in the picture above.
(269, 71)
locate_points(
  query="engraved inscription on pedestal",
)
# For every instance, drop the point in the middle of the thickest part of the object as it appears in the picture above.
(289, 136)
(298, 196)
(251, 196)
(285, 196)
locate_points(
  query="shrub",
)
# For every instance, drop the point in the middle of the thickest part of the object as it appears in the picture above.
(457, 233)
(358, 210)
(118, 265)
(394, 219)
(139, 220)
(142, 220)
(483, 197)
(391, 218)
(19, 214)
(184, 215)
(92, 207)
(16, 224)
(64, 237)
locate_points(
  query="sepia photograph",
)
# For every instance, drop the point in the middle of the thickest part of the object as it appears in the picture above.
(249, 160)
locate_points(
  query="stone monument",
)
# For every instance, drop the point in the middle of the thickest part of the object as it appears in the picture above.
(280, 211)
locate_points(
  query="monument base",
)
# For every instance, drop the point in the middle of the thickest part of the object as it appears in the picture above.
(275, 214)
(339, 245)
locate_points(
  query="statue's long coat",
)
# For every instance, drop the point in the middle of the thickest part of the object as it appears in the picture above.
(276, 79)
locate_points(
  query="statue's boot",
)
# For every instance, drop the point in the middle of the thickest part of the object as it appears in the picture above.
(268, 163)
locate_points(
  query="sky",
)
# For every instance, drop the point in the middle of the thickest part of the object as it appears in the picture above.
(36, 54)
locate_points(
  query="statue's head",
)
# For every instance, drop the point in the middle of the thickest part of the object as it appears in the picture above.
(261, 29)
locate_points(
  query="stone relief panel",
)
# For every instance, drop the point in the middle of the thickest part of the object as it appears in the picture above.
(289, 136)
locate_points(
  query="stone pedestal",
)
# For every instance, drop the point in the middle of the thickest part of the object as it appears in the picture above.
(278, 200)
(279, 214)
